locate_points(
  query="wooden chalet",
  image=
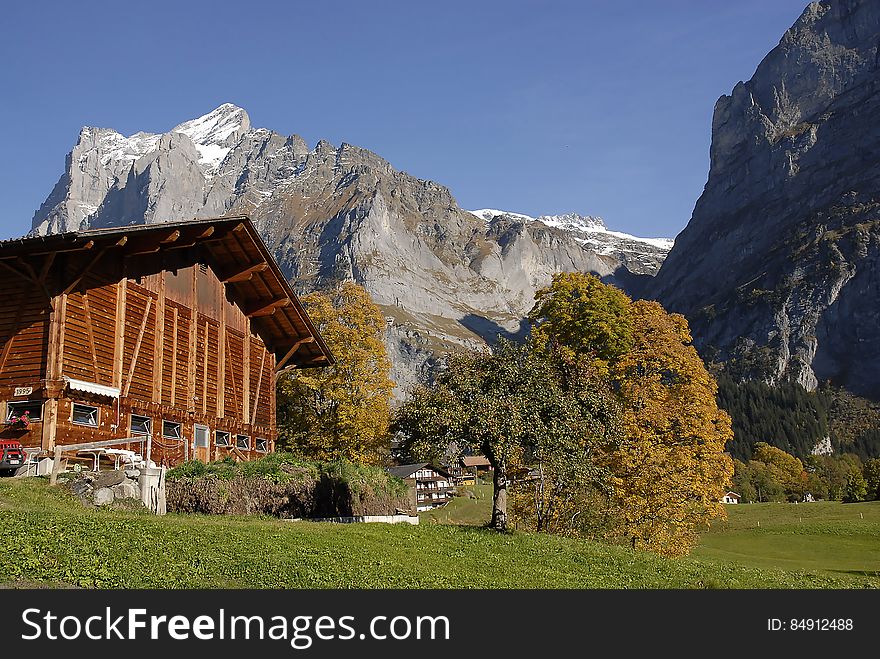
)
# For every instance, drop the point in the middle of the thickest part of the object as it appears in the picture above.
(431, 485)
(169, 335)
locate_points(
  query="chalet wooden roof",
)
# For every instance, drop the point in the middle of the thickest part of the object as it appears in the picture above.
(405, 471)
(235, 251)
(475, 461)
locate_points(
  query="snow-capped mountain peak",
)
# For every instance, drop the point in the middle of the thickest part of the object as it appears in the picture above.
(215, 133)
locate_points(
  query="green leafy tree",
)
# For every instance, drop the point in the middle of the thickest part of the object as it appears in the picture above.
(744, 481)
(580, 315)
(783, 469)
(871, 472)
(856, 488)
(833, 471)
(581, 422)
(341, 411)
(518, 410)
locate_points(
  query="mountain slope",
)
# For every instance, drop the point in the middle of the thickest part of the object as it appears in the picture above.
(444, 276)
(778, 270)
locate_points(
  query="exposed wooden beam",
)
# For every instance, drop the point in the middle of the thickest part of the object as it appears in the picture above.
(16, 272)
(267, 309)
(47, 265)
(278, 374)
(223, 235)
(296, 346)
(159, 340)
(85, 271)
(61, 248)
(246, 377)
(154, 247)
(27, 266)
(259, 384)
(245, 273)
(205, 344)
(171, 237)
(137, 348)
(91, 335)
(151, 248)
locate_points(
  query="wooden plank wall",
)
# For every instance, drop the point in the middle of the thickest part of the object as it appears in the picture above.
(170, 361)
(90, 337)
(24, 327)
(24, 331)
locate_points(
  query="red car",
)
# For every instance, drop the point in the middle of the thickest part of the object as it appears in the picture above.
(11, 455)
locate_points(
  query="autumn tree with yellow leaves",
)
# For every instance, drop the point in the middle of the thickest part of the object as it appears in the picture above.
(669, 470)
(340, 411)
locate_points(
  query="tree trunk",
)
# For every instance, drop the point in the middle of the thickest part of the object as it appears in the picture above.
(499, 499)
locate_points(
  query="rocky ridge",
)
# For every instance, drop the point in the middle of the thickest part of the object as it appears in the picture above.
(444, 276)
(778, 269)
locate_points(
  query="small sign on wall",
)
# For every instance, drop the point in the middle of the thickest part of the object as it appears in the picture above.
(23, 391)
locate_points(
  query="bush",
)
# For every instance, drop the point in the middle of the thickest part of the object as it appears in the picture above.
(284, 485)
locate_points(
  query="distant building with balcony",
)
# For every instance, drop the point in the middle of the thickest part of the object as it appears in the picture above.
(432, 485)
(466, 469)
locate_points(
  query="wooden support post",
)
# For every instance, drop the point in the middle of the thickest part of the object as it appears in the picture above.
(193, 343)
(246, 379)
(50, 424)
(205, 369)
(119, 347)
(56, 467)
(221, 358)
(272, 394)
(54, 361)
(159, 341)
(174, 358)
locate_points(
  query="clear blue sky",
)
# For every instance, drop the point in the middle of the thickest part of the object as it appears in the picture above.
(600, 107)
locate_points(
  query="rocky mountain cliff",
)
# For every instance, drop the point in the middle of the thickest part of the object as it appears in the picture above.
(443, 276)
(778, 270)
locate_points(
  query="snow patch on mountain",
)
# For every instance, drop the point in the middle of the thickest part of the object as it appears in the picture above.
(215, 133)
(597, 233)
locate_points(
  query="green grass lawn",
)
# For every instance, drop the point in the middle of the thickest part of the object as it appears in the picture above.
(463, 510)
(49, 539)
(827, 536)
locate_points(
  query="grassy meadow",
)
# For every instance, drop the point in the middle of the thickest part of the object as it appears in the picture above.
(827, 536)
(49, 539)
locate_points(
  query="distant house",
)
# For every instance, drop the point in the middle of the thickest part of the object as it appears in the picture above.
(431, 485)
(730, 497)
(476, 464)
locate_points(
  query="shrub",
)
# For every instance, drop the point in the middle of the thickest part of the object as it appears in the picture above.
(284, 485)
